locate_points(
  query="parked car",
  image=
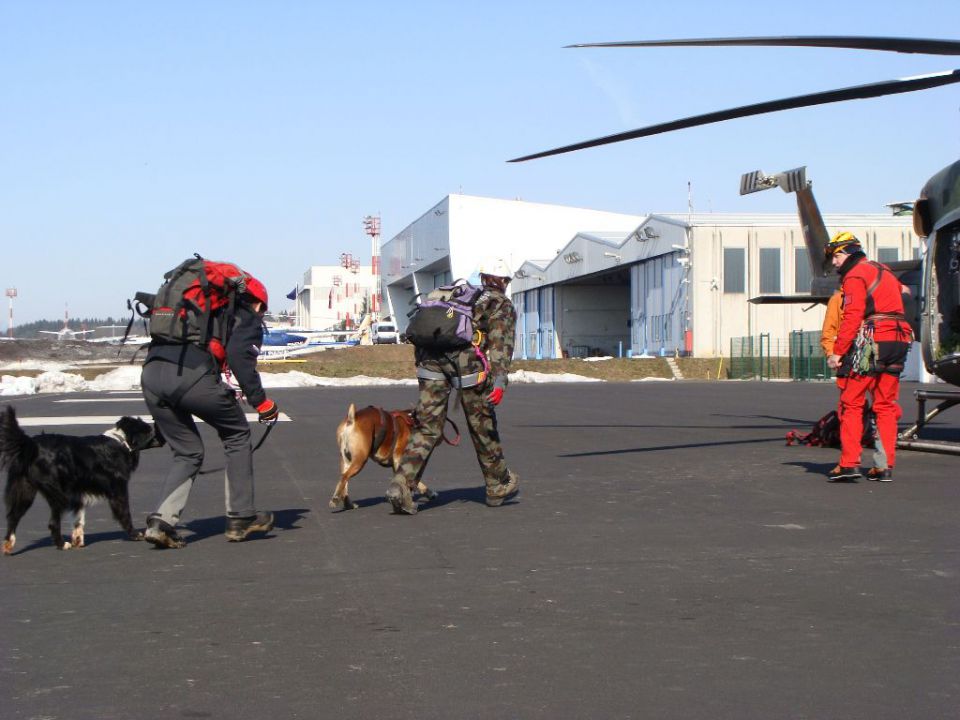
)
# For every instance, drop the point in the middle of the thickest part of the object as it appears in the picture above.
(384, 332)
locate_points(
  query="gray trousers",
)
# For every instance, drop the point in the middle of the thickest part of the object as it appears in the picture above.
(214, 403)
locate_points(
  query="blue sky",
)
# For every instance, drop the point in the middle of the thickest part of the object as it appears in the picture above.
(133, 134)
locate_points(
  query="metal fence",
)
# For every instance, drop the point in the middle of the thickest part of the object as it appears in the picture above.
(760, 357)
(807, 361)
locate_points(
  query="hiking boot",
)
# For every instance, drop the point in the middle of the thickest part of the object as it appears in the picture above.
(844, 474)
(880, 475)
(496, 494)
(238, 528)
(398, 494)
(162, 534)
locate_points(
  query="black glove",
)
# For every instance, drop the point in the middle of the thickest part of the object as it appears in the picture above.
(268, 411)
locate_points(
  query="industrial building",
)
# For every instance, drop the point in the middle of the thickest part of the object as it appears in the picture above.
(332, 296)
(597, 283)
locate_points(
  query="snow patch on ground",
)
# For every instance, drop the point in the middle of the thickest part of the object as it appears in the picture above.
(128, 378)
(527, 376)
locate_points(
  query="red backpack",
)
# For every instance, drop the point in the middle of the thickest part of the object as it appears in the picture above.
(195, 304)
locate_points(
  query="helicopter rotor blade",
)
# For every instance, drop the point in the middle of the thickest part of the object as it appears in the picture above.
(857, 92)
(887, 44)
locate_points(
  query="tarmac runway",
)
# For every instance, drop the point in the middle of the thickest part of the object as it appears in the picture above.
(667, 557)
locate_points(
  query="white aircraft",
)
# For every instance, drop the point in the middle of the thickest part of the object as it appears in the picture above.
(66, 333)
(117, 335)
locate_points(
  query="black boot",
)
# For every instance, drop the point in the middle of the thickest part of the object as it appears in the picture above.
(162, 534)
(238, 528)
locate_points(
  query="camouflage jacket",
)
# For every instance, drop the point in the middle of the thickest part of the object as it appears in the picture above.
(495, 317)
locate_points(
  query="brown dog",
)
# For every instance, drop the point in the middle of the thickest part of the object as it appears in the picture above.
(371, 433)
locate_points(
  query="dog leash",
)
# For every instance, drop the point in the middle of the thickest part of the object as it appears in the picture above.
(410, 418)
(255, 447)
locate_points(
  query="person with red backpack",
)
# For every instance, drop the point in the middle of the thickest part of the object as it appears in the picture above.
(207, 318)
(869, 353)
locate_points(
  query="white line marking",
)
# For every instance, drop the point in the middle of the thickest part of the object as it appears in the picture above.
(100, 400)
(109, 420)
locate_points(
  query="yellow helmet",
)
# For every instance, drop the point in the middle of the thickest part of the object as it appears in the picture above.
(843, 242)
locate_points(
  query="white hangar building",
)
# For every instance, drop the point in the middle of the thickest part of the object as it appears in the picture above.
(591, 283)
(450, 240)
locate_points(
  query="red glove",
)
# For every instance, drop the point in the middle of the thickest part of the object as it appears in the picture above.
(268, 411)
(495, 397)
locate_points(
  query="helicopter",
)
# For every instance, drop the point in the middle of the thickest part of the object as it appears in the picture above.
(932, 283)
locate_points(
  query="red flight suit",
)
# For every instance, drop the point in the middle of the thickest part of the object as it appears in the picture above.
(871, 297)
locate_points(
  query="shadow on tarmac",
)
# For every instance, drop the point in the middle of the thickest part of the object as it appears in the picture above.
(88, 540)
(657, 448)
(202, 528)
(444, 497)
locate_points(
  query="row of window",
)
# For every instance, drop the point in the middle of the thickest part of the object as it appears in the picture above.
(734, 269)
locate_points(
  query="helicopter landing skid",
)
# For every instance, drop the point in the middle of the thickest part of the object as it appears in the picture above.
(909, 439)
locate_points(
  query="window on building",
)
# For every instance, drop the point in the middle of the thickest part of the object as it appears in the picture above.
(769, 270)
(801, 270)
(734, 270)
(888, 254)
(657, 272)
(443, 278)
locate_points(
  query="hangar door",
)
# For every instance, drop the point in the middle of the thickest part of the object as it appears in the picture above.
(546, 323)
(519, 332)
(531, 325)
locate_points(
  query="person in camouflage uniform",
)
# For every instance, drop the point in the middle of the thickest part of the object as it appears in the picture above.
(480, 387)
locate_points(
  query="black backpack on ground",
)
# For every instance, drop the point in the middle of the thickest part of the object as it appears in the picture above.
(826, 431)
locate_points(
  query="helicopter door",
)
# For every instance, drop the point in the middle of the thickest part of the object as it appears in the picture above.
(941, 312)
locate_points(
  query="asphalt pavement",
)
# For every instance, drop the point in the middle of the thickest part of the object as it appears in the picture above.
(668, 557)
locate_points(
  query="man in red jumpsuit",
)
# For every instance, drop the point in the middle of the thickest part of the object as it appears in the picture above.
(870, 350)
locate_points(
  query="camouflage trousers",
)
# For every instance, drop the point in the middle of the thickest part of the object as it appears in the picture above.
(431, 413)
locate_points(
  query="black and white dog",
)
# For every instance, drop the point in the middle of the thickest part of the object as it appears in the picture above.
(71, 472)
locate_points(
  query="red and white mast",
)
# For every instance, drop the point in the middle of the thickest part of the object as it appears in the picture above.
(371, 225)
(11, 293)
